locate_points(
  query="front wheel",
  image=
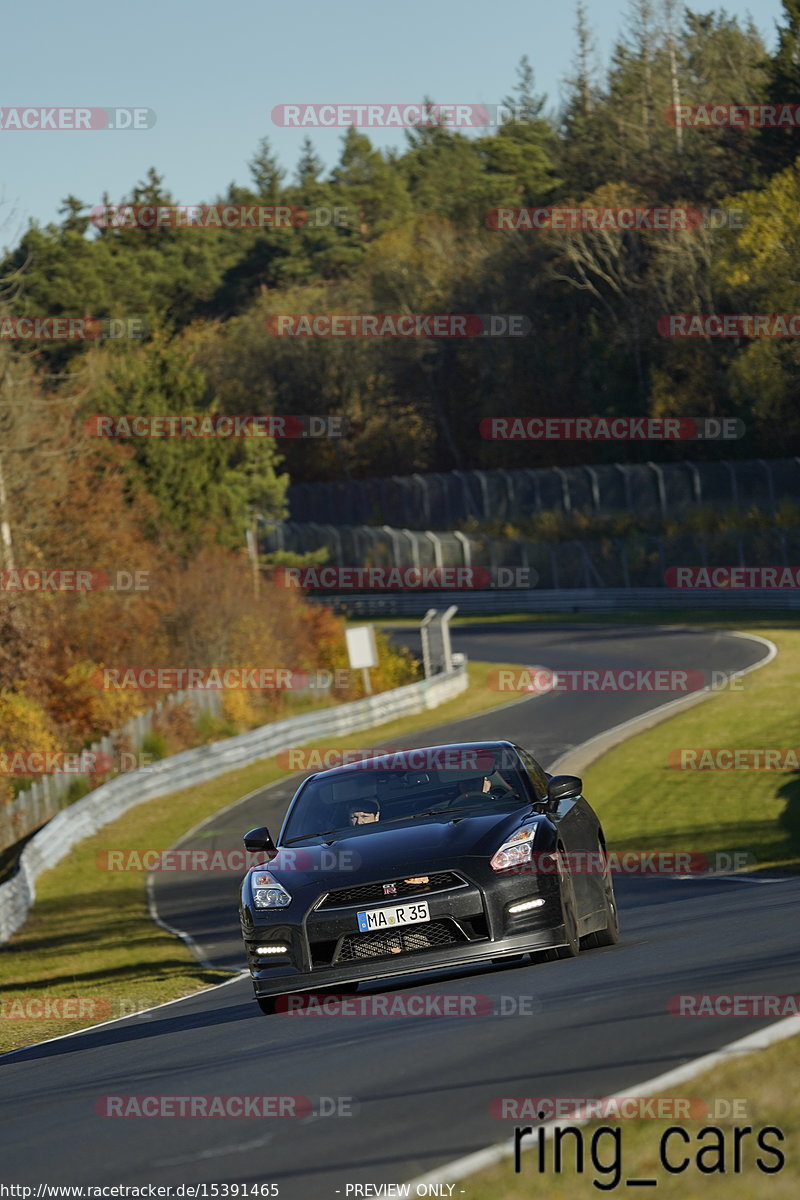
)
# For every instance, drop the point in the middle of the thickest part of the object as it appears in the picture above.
(609, 934)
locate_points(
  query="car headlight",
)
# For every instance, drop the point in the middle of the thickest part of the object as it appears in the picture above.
(516, 851)
(268, 892)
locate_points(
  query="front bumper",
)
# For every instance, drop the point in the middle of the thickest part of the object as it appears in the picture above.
(468, 924)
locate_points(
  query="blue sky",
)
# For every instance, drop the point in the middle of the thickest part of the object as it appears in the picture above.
(213, 72)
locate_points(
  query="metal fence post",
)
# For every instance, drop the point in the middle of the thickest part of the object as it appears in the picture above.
(437, 548)
(424, 633)
(466, 549)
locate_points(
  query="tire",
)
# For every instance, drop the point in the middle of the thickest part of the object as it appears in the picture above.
(569, 911)
(609, 934)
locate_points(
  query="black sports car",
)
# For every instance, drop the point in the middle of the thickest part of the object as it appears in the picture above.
(437, 857)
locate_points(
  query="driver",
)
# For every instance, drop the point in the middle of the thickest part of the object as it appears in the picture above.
(485, 783)
(365, 811)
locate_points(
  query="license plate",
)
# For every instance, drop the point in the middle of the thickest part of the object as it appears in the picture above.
(392, 916)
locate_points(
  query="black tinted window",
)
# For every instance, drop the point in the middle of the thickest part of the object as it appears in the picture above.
(326, 804)
(537, 775)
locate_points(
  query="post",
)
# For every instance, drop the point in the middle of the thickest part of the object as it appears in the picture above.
(425, 638)
(252, 549)
(5, 528)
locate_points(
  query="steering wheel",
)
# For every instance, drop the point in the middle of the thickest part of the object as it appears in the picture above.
(497, 792)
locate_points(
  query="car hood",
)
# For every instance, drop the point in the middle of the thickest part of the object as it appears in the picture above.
(431, 843)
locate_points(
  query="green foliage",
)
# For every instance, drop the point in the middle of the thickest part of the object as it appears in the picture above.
(778, 146)
(407, 232)
(154, 746)
(198, 483)
(76, 790)
(557, 526)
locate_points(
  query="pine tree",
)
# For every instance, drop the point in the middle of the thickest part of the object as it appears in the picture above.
(309, 166)
(266, 173)
(778, 147)
(581, 159)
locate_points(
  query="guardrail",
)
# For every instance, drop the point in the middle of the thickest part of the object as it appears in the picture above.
(112, 799)
(635, 561)
(31, 808)
(569, 600)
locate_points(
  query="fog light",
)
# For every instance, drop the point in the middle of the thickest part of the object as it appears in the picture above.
(271, 949)
(525, 906)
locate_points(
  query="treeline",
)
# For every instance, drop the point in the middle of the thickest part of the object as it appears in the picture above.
(99, 572)
(412, 237)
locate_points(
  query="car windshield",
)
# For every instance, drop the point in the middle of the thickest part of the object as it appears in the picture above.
(370, 796)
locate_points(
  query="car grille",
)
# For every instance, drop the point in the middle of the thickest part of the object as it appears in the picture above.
(365, 892)
(386, 945)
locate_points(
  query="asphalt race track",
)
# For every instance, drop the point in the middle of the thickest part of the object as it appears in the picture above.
(409, 1093)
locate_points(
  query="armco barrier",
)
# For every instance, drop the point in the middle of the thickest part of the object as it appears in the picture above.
(635, 561)
(566, 600)
(28, 810)
(112, 799)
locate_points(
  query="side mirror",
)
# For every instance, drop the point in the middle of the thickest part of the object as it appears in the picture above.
(563, 787)
(259, 839)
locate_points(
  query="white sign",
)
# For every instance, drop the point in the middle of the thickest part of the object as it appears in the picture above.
(361, 647)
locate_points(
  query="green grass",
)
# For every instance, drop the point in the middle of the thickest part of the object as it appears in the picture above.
(645, 804)
(761, 1078)
(95, 940)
